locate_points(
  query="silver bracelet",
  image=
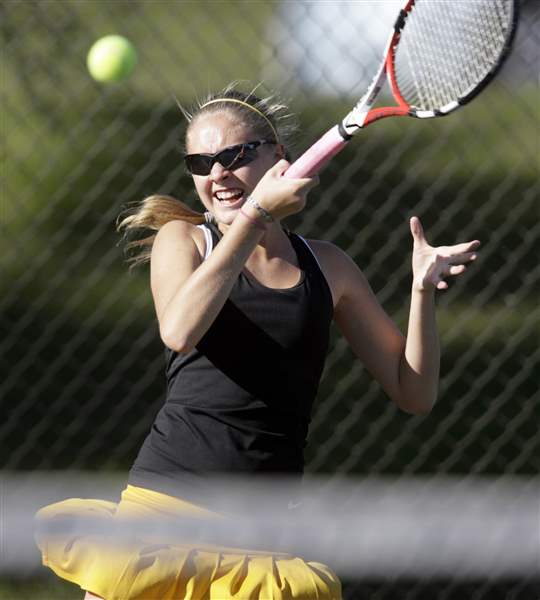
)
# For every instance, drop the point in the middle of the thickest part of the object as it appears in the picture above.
(262, 211)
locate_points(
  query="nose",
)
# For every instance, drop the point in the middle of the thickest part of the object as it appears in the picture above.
(218, 172)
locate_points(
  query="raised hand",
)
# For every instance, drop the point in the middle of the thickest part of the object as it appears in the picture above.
(432, 265)
(280, 195)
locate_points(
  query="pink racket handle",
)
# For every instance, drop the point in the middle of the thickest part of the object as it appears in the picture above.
(314, 158)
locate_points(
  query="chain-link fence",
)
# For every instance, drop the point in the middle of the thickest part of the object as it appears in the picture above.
(82, 363)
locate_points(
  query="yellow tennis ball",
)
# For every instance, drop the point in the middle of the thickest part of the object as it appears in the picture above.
(111, 58)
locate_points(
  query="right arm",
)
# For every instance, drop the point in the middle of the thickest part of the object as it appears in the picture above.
(189, 292)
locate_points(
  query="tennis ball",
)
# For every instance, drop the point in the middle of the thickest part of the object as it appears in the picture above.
(111, 58)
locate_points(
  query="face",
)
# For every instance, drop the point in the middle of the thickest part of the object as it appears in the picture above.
(223, 191)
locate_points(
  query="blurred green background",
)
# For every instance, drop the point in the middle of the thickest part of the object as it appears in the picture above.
(82, 362)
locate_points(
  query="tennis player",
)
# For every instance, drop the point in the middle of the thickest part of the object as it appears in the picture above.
(244, 309)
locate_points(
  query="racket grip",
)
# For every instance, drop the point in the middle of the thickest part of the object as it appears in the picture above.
(316, 157)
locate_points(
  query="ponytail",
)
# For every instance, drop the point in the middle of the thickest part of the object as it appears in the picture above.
(151, 214)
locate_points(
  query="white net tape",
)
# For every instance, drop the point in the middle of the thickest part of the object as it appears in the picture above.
(421, 528)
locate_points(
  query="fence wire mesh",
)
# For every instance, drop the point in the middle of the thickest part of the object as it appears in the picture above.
(82, 363)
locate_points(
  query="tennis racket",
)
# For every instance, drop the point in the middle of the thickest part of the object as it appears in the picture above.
(440, 55)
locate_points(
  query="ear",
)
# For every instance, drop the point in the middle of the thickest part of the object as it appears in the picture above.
(280, 151)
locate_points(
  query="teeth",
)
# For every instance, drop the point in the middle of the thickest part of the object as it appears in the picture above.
(229, 194)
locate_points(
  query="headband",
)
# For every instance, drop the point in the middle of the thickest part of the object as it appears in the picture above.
(246, 104)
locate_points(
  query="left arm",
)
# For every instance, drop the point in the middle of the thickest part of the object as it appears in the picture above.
(406, 368)
(419, 362)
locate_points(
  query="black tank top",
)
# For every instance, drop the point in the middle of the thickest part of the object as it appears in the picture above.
(241, 400)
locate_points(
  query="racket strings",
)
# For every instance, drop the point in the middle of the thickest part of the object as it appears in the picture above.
(448, 48)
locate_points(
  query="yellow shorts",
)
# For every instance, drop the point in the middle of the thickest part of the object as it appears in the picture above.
(154, 571)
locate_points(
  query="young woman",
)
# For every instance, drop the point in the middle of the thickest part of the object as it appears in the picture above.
(244, 310)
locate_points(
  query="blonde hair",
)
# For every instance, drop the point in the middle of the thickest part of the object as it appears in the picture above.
(150, 215)
(268, 117)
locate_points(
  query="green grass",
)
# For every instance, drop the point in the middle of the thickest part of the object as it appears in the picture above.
(47, 587)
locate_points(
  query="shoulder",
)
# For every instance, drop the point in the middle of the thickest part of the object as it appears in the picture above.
(338, 267)
(331, 256)
(326, 251)
(178, 236)
(177, 252)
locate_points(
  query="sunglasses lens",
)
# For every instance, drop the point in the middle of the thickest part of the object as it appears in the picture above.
(198, 164)
(229, 157)
(236, 156)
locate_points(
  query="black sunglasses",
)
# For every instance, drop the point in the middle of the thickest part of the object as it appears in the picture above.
(229, 158)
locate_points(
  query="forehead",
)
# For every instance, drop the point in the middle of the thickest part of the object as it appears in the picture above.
(211, 133)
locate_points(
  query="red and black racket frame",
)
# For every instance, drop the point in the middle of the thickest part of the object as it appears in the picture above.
(363, 114)
(387, 71)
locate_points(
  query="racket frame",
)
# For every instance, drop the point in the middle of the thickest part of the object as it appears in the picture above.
(363, 113)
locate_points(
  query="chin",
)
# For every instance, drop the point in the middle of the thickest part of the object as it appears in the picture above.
(228, 218)
(226, 215)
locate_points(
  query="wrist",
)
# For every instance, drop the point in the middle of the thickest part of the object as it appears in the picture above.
(263, 213)
(423, 291)
(252, 219)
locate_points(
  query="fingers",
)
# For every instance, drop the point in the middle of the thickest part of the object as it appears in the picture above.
(419, 237)
(302, 182)
(446, 267)
(417, 231)
(456, 270)
(280, 167)
(282, 196)
(451, 270)
(458, 259)
(276, 172)
(431, 266)
(464, 247)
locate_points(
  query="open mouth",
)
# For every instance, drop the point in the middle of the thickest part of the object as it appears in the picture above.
(230, 197)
